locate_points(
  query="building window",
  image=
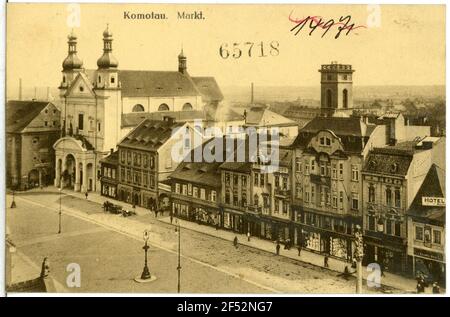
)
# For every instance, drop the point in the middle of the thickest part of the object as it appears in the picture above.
(371, 223)
(177, 188)
(227, 179)
(355, 202)
(80, 121)
(313, 166)
(187, 107)
(46, 123)
(334, 201)
(227, 197)
(99, 127)
(341, 200)
(341, 170)
(189, 189)
(397, 197)
(261, 180)
(355, 173)
(202, 193)
(299, 190)
(313, 193)
(306, 196)
(277, 181)
(334, 171)
(163, 107)
(256, 183)
(213, 196)
(388, 196)
(81, 88)
(397, 229)
(298, 165)
(419, 233)
(138, 108)
(388, 226)
(235, 180)
(195, 192)
(436, 237)
(113, 80)
(152, 162)
(184, 189)
(345, 98)
(371, 193)
(306, 167)
(244, 181)
(277, 205)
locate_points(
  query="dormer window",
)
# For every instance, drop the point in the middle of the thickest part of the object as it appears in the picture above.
(81, 88)
(394, 168)
(113, 80)
(99, 79)
(325, 141)
(64, 79)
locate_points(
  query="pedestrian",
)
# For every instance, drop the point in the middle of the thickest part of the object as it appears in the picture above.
(325, 261)
(278, 248)
(217, 225)
(86, 194)
(436, 288)
(171, 217)
(299, 248)
(156, 213)
(235, 242)
(248, 236)
(420, 287)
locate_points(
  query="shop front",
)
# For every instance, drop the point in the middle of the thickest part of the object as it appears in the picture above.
(389, 254)
(109, 189)
(325, 242)
(233, 220)
(429, 264)
(206, 216)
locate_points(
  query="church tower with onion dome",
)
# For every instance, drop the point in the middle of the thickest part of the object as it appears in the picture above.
(108, 91)
(107, 74)
(72, 64)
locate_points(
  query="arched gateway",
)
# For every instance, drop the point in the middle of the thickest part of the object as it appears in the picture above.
(75, 164)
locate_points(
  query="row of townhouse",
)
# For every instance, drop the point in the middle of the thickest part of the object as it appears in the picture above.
(336, 175)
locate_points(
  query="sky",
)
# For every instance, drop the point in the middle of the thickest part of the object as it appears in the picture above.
(398, 45)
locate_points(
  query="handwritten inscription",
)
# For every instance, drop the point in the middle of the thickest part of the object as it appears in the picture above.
(344, 25)
(249, 49)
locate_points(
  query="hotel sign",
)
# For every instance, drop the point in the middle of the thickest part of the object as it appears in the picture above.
(433, 201)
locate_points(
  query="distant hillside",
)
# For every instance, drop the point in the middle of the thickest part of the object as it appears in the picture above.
(290, 93)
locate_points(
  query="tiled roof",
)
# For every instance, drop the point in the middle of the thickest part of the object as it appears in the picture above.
(388, 161)
(265, 117)
(133, 119)
(150, 134)
(432, 186)
(349, 130)
(137, 83)
(206, 173)
(340, 126)
(241, 167)
(20, 113)
(112, 159)
(208, 88)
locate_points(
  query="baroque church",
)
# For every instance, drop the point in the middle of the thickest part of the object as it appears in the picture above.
(99, 107)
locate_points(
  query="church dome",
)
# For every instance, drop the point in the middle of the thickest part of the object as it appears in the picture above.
(72, 61)
(107, 61)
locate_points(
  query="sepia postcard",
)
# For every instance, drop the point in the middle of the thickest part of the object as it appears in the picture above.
(225, 149)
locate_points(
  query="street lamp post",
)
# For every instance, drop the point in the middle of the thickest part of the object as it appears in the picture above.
(359, 253)
(178, 230)
(145, 272)
(145, 276)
